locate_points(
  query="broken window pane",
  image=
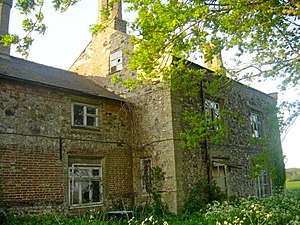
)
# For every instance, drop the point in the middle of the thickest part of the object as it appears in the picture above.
(91, 110)
(78, 115)
(85, 192)
(212, 111)
(91, 121)
(85, 184)
(85, 115)
(96, 191)
(255, 125)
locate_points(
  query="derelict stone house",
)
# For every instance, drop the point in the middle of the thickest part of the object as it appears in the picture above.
(67, 142)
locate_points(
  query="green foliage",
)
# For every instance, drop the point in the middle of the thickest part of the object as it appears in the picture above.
(260, 163)
(130, 83)
(7, 40)
(157, 207)
(148, 220)
(276, 210)
(63, 5)
(56, 218)
(201, 195)
(263, 36)
(97, 28)
(265, 33)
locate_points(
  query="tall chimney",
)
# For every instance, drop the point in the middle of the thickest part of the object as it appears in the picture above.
(5, 6)
(114, 19)
(216, 62)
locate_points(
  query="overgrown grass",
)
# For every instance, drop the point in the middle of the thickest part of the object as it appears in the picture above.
(281, 209)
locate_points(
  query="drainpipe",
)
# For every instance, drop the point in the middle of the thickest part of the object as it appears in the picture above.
(5, 6)
(205, 142)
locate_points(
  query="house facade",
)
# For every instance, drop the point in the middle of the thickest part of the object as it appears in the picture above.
(63, 139)
(72, 140)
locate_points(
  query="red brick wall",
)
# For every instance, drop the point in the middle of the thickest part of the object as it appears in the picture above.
(33, 166)
(31, 175)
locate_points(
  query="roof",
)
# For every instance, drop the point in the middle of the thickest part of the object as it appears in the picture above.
(271, 96)
(24, 70)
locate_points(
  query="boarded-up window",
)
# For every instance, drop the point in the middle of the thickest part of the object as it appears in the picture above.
(263, 185)
(220, 176)
(116, 61)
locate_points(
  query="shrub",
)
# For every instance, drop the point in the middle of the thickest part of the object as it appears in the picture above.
(202, 194)
(276, 210)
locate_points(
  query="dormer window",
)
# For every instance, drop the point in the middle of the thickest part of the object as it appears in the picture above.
(84, 115)
(116, 61)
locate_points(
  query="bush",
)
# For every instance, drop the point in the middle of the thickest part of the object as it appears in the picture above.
(276, 210)
(202, 194)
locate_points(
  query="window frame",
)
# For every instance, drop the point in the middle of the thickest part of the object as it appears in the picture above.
(220, 175)
(254, 124)
(263, 185)
(212, 113)
(72, 180)
(116, 61)
(146, 175)
(85, 115)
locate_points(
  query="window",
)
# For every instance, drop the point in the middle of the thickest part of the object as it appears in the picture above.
(116, 62)
(255, 120)
(220, 176)
(263, 184)
(84, 115)
(85, 184)
(212, 111)
(145, 175)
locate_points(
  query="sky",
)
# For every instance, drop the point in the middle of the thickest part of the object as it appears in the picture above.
(68, 34)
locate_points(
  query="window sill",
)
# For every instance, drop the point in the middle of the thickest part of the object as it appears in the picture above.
(84, 128)
(85, 205)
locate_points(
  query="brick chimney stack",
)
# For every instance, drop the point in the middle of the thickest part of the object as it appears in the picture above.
(115, 20)
(5, 6)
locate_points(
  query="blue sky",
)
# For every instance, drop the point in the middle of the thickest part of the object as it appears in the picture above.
(68, 34)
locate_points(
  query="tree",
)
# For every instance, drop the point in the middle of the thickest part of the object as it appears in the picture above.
(33, 10)
(263, 35)
(266, 33)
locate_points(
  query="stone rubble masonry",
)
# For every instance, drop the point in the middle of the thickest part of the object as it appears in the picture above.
(148, 125)
(151, 108)
(34, 164)
(157, 123)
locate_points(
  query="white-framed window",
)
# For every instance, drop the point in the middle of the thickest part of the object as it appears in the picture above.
(146, 175)
(263, 184)
(85, 185)
(84, 115)
(212, 113)
(255, 120)
(116, 61)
